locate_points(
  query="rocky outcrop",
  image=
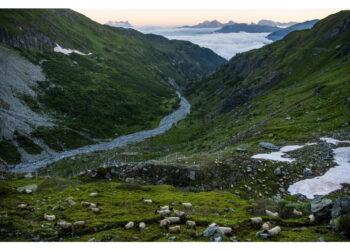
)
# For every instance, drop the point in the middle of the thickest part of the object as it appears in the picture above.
(341, 216)
(195, 178)
(321, 208)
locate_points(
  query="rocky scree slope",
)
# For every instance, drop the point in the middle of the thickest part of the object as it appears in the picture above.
(116, 83)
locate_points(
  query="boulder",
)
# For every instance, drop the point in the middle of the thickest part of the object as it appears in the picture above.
(321, 207)
(307, 172)
(278, 171)
(341, 206)
(268, 145)
(28, 189)
(214, 233)
(241, 150)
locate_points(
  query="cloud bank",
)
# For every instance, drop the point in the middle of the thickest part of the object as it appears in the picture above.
(224, 44)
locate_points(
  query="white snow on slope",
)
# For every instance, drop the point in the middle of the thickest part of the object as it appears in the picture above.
(278, 156)
(332, 179)
(59, 49)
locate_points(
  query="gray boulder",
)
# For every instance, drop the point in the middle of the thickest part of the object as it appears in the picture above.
(307, 172)
(278, 171)
(214, 233)
(268, 145)
(341, 206)
(321, 207)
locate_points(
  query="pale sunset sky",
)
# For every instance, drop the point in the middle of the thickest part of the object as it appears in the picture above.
(177, 16)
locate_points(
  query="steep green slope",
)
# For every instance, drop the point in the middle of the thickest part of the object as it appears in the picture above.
(121, 84)
(293, 89)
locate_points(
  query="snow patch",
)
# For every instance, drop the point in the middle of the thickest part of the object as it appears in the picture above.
(280, 155)
(59, 49)
(332, 180)
(331, 140)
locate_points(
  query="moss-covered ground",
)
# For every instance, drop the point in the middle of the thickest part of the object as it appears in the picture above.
(122, 202)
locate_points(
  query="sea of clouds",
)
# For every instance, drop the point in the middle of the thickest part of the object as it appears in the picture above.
(224, 44)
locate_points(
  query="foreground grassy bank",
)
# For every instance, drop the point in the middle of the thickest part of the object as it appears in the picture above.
(120, 203)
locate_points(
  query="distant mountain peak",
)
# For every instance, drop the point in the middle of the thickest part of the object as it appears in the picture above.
(276, 24)
(121, 24)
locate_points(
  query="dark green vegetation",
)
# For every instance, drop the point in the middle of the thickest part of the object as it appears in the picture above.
(121, 87)
(8, 152)
(121, 203)
(27, 144)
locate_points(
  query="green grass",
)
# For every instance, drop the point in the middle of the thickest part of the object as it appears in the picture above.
(120, 203)
(120, 88)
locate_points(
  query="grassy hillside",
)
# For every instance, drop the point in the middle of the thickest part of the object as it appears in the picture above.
(121, 87)
(120, 203)
(293, 90)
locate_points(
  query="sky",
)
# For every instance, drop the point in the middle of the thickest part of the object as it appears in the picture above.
(182, 16)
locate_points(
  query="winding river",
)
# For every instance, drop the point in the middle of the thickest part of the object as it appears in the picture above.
(165, 124)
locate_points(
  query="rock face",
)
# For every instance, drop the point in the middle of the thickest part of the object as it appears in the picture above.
(268, 145)
(341, 207)
(196, 178)
(321, 208)
(341, 216)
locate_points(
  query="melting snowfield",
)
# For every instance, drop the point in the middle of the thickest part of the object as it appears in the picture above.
(59, 49)
(321, 185)
(280, 155)
(332, 179)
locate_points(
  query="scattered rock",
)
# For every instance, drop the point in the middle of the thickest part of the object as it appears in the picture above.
(49, 217)
(174, 229)
(70, 201)
(248, 169)
(288, 118)
(142, 225)
(95, 210)
(172, 238)
(28, 189)
(321, 208)
(93, 195)
(321, 239)
(64, 225)
(233, 239)
(241, 150)
(307, 172)
(22, 206)
(268, 145)
(256, 220)
(57, 208)
(278, 171)
(129, 225)
(214, 233)
(79, 223)
(341, 206)
(269, 213)
(2, 178)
